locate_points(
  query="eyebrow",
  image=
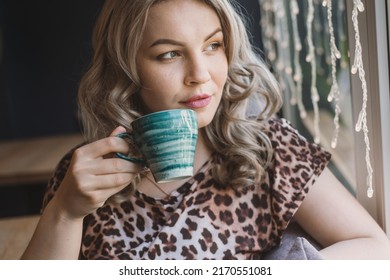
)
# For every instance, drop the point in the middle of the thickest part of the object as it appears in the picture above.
(178, 43)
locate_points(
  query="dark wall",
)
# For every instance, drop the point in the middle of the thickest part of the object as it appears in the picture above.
(44, 49)
(251, 9)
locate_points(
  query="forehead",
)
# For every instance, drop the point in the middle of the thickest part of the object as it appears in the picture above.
(180, 17)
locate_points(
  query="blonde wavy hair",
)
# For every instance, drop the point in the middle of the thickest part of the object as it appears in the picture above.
(108, 91)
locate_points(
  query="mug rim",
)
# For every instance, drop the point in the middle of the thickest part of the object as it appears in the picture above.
(163, 111)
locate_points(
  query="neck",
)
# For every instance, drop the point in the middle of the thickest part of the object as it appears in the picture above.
(202, 151)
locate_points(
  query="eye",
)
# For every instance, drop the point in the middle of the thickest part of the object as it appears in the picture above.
(168, 55)
(214, 46)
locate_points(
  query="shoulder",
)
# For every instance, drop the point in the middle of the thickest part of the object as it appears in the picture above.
(290, 147)
(280, 130)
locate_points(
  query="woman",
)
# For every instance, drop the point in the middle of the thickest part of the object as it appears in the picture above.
(253, 173)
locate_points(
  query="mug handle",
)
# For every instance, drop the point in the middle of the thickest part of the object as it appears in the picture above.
(122, 156)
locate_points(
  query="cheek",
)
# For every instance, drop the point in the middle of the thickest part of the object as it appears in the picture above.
(158, 91)
(160, 80)
(221, 71)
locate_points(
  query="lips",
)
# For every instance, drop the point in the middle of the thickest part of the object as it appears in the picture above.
(198, 101)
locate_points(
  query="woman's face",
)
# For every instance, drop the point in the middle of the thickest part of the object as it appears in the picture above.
(182, 61)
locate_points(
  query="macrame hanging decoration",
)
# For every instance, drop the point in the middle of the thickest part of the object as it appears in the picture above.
(296, 96)
(311, 58)
(357, 68)
(334, 94)
(282, 46)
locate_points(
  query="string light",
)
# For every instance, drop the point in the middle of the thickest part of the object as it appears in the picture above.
(267, 29)
(284, 55)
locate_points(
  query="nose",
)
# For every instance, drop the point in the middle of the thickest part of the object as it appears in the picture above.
(197, 71)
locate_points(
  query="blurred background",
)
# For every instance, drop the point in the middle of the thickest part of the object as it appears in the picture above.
(44, 49)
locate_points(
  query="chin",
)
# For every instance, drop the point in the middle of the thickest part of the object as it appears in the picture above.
(205, 117)
(202, 123)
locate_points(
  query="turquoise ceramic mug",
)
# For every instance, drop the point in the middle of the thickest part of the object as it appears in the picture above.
(166, 143)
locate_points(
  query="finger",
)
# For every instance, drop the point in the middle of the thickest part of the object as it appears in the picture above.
(111, 181)
(102, 147)
(113, 166)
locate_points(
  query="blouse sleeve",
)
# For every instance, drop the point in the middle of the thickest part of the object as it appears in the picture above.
(296, 165)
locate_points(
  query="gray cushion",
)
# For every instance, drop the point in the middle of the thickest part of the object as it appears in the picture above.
(296, 245)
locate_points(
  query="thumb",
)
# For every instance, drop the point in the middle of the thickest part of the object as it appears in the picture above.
(115, 132)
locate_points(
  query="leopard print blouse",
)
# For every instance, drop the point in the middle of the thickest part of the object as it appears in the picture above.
(203, 220)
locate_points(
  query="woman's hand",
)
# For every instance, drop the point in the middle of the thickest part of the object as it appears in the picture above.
(93, 176)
